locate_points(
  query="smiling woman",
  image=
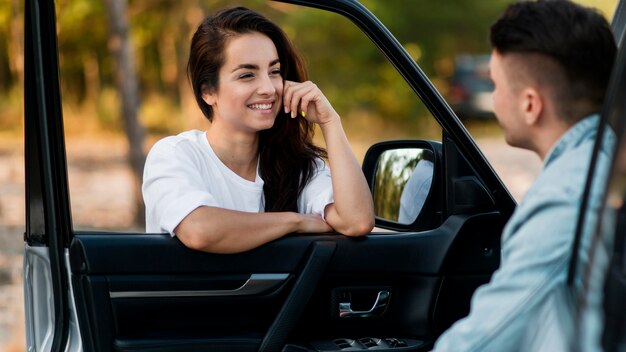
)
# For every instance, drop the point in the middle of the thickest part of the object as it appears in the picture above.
(254, 175)
(110, 291)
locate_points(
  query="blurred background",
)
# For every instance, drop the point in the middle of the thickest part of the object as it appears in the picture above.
(124, 86)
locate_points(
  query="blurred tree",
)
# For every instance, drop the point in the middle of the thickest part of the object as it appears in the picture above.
(394, 168)
(11, 64)
(351, 71)
(121, 47)
(354, 75)
(16, 45)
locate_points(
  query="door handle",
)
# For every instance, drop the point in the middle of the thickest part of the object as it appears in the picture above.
(379, 307)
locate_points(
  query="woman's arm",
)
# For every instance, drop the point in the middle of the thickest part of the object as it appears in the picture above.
(352, 212)
(178, 201)
(218, 230)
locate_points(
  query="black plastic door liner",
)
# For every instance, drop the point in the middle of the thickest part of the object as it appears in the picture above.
(48, 220)
(316, 263)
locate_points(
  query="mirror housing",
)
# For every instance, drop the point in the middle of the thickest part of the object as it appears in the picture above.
(404, 176)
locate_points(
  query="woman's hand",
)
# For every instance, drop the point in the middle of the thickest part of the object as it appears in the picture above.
(307, 100)
(352, 212)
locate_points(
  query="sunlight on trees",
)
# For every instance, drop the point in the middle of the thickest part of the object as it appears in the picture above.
(354, 75)
(372, 98)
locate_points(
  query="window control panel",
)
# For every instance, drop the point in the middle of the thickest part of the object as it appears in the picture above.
(367, 344)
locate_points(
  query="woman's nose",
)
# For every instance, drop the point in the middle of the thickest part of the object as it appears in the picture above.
(266, 86)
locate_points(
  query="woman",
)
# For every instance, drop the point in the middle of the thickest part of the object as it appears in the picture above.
(255, 174)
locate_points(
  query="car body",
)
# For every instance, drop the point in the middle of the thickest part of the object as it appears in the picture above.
(470, 88)
(394, 290)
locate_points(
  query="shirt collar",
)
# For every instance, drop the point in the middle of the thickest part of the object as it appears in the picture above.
(581, 131)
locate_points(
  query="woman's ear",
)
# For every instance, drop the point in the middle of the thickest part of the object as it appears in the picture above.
(531, 105)
(208, 96)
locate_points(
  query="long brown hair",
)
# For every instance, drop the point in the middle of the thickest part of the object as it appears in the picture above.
(287, 153)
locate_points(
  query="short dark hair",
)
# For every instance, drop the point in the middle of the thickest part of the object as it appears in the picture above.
(577, 38)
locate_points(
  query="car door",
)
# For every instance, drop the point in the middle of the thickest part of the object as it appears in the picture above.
(396, 289)
(600, 323)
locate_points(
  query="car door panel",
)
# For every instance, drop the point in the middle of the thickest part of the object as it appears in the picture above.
(411, 253)
(140, 289)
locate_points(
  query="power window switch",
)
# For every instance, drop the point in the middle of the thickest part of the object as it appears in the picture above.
(394, 342)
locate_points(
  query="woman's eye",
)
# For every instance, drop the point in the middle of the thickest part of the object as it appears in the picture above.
(276, 72)
(246, 75)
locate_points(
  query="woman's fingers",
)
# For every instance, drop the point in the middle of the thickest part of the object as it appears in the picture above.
(288, 94)
(293, 93)
(307, 98)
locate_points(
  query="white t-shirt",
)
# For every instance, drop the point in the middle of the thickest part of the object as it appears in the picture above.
(183, 173)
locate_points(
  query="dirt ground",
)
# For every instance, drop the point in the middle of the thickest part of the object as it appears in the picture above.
(11, 246)
(100, 190)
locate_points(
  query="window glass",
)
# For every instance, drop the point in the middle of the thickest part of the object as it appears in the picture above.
(452, 48)
(374, 101)
(598, 266)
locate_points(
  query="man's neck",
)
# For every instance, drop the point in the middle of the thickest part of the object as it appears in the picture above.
(547, 136)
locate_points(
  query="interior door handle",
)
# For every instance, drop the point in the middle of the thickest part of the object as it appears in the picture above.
(379, 307)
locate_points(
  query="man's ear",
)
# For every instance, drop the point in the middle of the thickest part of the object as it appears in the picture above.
(531, 105)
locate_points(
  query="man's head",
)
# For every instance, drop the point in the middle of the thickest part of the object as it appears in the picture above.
(550, 60)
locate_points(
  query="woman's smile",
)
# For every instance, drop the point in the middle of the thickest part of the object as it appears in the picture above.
(250, 88)
(262, 107)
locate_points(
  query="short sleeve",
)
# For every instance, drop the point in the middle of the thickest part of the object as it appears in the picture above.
(173, 185)
(318, 193)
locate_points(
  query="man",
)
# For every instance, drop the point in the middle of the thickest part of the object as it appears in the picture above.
(550, 65)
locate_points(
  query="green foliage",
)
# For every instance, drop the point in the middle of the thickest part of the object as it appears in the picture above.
(341, 59)
(158, 115)
(392, 173)
(81, 36)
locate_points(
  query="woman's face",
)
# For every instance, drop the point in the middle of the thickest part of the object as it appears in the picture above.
(250, 89)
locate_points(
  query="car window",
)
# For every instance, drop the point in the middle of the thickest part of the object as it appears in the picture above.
(373, 99)
(602, 231)
(458, 49)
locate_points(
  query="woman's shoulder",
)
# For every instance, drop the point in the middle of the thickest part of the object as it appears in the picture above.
(320, 167)
(192, 139)
(319, 164)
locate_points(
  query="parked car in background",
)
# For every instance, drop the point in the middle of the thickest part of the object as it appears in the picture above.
(470, 87)
(394, 290)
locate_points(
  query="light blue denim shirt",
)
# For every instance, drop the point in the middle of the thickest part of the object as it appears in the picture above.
(528, 289)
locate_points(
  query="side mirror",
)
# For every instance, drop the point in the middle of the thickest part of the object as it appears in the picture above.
(401, 176)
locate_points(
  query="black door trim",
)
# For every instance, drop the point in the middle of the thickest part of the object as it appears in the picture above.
(316, 263)
(45, 146)
(423, 87)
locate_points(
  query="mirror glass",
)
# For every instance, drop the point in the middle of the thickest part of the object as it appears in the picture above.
(402, 182)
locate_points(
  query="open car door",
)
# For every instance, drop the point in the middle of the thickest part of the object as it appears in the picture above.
(395, 290)
(601, 324)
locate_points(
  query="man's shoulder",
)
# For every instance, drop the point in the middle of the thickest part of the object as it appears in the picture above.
(560, 184)
(567, 173)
